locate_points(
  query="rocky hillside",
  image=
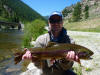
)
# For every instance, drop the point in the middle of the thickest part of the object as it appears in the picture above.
(94, 9)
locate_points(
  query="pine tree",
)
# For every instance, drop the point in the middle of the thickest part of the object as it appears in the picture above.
(76, 15)
(86, 11)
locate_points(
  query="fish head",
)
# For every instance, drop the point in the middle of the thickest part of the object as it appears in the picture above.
(85, 54)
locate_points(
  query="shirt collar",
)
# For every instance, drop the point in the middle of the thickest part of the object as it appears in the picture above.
(62, 33)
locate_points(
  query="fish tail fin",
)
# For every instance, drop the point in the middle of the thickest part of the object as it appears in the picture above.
(17, 59)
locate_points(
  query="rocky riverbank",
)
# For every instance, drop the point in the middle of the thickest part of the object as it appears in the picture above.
(90, 40)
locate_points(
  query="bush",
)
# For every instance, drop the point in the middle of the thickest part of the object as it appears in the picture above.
(33, 30)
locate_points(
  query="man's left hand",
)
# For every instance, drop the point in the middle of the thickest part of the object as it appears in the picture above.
(72, 56)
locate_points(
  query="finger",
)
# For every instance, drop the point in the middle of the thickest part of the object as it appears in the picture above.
(30, 56)
(67, 56)
(23, 57)
(27, 56)
(72, 55)
(25, 49)
(76, 58)
(28, 52)
(52, 61)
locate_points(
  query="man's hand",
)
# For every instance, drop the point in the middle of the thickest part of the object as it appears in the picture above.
(72, 56)
(27, 55)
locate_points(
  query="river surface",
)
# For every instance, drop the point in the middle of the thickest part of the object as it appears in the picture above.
(9, 40)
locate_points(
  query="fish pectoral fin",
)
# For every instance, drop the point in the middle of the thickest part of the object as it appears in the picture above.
(50, 44)
(17, 59)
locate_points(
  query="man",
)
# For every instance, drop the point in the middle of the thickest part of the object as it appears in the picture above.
(57, 33)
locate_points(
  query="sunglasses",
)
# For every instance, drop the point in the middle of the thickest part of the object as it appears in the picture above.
(52, 21)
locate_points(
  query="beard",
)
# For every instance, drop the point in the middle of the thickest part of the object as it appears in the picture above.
(55, 29)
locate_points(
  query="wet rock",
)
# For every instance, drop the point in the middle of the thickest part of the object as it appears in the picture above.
(12, 69)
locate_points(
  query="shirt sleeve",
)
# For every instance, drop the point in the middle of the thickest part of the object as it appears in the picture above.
(39, 42)
(72, 41)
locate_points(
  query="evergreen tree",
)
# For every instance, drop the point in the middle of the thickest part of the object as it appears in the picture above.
(65, 12)
(76, 15)
(86, 11)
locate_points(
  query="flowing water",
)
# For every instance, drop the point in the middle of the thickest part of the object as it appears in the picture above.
(9, 40)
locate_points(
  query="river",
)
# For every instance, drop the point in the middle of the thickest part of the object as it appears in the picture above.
(9, 40)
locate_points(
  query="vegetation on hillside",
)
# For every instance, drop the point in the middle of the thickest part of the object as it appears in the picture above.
(76, 14)
(83, 16)
(16, 10)
(86, 11)
(65, 11)
(89, 10)
(89, 25)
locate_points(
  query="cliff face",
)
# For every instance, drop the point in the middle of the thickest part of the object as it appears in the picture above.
(94, 8)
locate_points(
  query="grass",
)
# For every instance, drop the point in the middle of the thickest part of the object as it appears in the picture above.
(89, 25)
(25, 64)
(78, 70)
(88, 69)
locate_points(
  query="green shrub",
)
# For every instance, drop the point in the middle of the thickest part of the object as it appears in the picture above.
(33, 30)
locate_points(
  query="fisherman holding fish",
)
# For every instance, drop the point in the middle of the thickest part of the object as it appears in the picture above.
(58, 34)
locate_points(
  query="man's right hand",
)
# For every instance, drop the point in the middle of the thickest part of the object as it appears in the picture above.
(27, 55)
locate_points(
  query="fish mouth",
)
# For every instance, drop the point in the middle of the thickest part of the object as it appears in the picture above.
(90, 58)
(85, 55)
(92, 53)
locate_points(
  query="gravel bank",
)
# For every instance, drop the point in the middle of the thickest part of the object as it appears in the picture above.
(90, 40)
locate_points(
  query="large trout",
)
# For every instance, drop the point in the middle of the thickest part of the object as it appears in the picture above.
(55, 51)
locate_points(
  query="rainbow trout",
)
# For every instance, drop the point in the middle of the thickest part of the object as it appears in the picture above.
(54, 51)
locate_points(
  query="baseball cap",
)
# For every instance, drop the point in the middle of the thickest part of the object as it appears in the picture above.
(56, 13)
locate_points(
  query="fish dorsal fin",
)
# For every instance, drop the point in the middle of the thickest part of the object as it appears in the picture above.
(50, 44)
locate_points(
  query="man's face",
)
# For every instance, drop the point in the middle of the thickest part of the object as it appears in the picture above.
(55, 23)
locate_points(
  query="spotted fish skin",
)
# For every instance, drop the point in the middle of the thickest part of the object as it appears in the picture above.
(55, 51)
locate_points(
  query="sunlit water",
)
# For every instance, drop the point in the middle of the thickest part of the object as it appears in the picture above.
(9, 40)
